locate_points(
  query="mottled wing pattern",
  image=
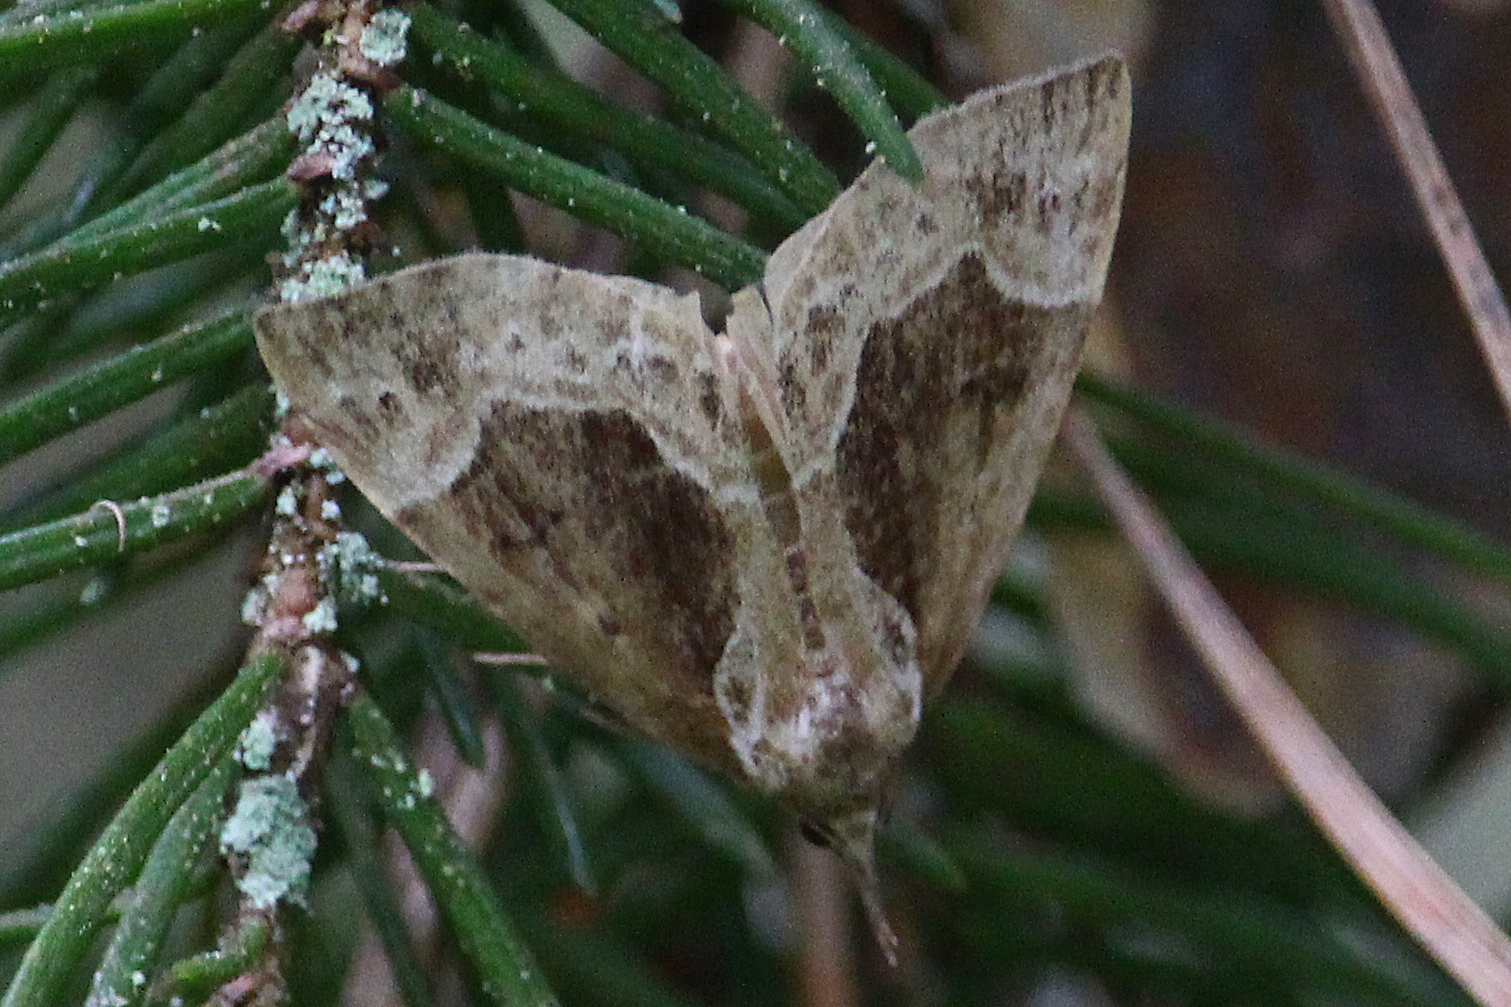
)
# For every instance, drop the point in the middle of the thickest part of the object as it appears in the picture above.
(675, 519)
(926, 339)
(560, 442)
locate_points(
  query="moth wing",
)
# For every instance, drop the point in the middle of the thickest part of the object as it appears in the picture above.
(558, 441)
(926, 338)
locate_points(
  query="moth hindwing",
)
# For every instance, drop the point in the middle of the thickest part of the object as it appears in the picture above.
(764, 547)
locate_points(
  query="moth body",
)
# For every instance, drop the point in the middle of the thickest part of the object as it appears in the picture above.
(767, 547)
(819, 709)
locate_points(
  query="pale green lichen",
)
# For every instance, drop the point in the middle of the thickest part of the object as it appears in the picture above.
(270, 829)
(332, 119)
(254, 605)
(322, 459)
(322, 278)
(258, 742)
(326, 105)
(322, 618)
(290, 227)
(287, 504)
(348, 145)
(345, 208)
(350, 566)
(382, 40)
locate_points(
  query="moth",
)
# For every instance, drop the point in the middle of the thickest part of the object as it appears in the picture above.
(764, 547)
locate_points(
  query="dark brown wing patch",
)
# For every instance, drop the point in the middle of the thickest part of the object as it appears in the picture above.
(565, 482)
(960, 350)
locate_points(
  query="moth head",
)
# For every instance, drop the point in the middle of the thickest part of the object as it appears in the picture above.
(861, 713)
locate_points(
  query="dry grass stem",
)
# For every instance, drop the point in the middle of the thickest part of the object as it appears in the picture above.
(1456, 932)
(1374, 59)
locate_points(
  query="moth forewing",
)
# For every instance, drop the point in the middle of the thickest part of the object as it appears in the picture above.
(762, 547)
(928, 337)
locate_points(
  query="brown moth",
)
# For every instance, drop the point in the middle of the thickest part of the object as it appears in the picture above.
(763, 547)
